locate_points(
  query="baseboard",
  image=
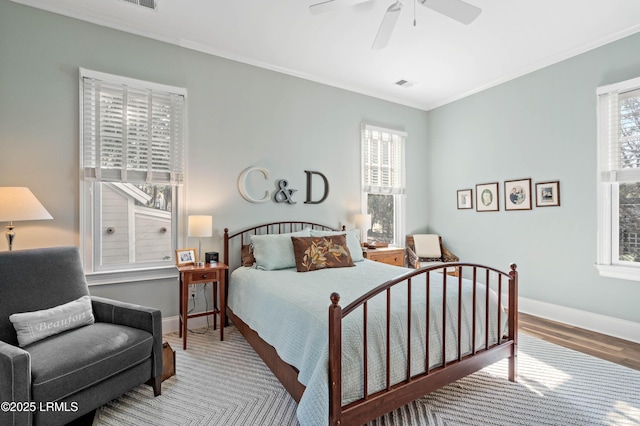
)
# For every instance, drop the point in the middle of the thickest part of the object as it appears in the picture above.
(623, 329)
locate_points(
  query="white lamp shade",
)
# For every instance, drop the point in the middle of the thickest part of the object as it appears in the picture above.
(19, 203)
(363, 222)
(200, 226)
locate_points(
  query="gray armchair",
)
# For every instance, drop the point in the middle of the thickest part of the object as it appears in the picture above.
(66, 375)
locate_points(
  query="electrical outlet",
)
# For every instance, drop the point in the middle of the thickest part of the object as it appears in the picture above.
(193, 293)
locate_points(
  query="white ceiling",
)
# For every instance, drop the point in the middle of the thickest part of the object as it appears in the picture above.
(445, 59)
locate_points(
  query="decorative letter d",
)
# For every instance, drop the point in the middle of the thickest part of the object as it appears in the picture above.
(326, 187)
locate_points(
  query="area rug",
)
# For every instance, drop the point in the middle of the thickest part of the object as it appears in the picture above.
(226, 383)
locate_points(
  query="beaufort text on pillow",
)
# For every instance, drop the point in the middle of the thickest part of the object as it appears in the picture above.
(33, 326)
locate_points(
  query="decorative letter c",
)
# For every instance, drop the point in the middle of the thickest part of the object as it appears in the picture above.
(242, 184)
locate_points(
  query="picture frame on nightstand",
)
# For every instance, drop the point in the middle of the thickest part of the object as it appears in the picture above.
(186, 256)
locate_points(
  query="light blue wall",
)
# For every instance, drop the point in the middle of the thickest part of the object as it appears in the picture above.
(238, 116)
(540, 126)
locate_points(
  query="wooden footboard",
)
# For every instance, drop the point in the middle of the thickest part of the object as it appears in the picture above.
(395, 395)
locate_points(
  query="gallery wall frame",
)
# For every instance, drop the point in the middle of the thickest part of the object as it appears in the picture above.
(465, 199)
(548, 194)
(487, 197)
(517, 194)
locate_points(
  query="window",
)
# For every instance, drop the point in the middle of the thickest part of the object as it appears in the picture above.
(383, 183)
(132, 154)
(619, 180)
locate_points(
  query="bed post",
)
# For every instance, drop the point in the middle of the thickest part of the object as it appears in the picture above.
(226, 246)
(513, 321)
(335, 361)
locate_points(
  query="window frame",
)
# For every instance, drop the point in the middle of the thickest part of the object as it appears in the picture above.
(398, 191)
(608, 180)
(90, 204)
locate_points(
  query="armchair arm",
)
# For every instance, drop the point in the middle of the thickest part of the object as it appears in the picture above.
(136, 316)
(15, 383)
(413, 261)
(448, 257)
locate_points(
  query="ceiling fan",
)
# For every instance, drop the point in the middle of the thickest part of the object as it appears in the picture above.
(458, 10)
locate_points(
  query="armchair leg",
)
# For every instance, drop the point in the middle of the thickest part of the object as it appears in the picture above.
(156, 384)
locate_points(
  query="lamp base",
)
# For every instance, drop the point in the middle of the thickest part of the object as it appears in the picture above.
(10, 236)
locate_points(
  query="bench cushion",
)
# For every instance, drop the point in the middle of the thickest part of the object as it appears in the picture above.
(69, 362)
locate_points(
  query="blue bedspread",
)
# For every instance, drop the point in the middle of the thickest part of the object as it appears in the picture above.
(289, 310)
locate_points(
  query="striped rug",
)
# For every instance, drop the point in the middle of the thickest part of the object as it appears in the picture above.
(226, 383)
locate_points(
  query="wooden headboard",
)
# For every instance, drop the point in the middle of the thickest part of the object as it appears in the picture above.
(233, 242)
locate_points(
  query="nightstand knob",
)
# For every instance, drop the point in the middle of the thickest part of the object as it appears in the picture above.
(204, 276)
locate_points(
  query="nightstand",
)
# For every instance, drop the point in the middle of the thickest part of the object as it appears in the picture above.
(389, 255)
(210, 273)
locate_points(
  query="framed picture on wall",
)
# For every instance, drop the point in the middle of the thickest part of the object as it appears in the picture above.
(548, 194)
(465, 200)
(517, 194)
(186, 256)
(487, 197)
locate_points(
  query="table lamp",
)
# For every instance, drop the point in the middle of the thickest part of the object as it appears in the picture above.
(200, 226)
(19, 203)
(363, 223)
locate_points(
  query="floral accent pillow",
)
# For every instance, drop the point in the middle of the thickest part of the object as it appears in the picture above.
(313, 253)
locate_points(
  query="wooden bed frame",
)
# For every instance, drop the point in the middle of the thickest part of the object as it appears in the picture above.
(395, 395)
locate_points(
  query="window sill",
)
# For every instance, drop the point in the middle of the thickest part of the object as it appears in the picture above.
(622, 272)
(130, 276)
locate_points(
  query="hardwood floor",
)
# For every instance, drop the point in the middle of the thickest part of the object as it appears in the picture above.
(612, 349)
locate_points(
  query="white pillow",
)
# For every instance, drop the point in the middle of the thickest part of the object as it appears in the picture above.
(353, 242)
(33, 326)
(275, 251)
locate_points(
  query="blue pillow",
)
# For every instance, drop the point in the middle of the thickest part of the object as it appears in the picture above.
(275, 251)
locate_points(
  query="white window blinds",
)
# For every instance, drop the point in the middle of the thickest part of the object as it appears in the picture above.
(131, 133)
(619, 127)
(382, 160)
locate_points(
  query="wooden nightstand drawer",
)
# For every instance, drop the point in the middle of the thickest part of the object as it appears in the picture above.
(202, 277)
(389, 255)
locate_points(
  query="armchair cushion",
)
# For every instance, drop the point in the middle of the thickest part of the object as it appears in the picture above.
(427, 246)
(80, 358)
(33, 326)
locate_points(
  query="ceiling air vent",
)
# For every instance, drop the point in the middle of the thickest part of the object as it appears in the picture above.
(405, 83)
(149, 4)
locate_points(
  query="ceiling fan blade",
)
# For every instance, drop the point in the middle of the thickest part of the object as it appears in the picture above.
(387, 25)
(331, 5)
(458, 10)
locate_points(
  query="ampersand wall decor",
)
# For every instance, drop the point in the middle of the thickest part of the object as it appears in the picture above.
(284, 194)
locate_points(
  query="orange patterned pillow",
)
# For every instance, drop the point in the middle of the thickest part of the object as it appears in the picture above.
(313, 253)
